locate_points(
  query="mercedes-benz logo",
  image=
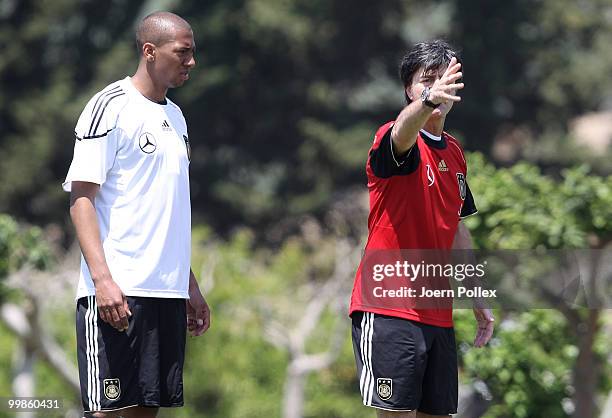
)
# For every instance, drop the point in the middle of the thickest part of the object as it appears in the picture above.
(147, 143)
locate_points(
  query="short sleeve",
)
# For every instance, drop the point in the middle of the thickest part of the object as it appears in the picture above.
(469, 206)
(383, 161)
(96, 140)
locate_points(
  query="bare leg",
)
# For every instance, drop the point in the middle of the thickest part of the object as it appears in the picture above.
(423, 415)
(392, 414)
(113, 414)
(139, 412)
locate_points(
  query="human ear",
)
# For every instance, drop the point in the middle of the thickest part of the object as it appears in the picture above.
(148, 51)
(408, 93)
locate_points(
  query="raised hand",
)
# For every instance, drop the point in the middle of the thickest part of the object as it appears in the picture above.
(444, 89)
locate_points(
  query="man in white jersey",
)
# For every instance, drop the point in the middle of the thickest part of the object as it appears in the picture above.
(129, 185)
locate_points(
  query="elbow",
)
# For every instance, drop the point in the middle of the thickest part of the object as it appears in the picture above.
(73, 210)
(78, 204)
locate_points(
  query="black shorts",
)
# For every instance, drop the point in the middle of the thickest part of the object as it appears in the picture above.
(142, 366)
(404, 365)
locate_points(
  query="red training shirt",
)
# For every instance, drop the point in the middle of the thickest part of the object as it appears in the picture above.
(416, 202)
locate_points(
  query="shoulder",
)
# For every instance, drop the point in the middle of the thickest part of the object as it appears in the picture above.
(110, 93)
(109, 100)
(454, 145)
(452, 139)
(381, 132)
(101, 111)
(173, 105)
(175, 113)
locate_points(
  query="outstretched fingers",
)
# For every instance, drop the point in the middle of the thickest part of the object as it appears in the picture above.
(453, 67)
(449, 97)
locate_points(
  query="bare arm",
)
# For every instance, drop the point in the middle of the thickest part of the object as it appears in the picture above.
(484, 316)
(463, 238)
(407, 125)
(111, 302)
(413, 117)
(83, 214)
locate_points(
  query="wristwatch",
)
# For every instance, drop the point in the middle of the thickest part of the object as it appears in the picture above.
(426, 101)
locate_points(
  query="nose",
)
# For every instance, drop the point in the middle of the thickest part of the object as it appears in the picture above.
(191, 62)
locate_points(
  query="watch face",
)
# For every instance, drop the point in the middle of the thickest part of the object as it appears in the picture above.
(425, 94)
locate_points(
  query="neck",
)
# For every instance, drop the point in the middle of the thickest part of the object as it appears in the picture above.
(147, 86)
(434, 126)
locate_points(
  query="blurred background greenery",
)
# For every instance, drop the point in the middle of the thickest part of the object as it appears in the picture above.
(281, 110)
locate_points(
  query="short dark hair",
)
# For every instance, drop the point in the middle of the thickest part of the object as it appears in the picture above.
(429, 55)
(158, 28)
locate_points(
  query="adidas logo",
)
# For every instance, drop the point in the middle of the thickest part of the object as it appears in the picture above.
(442, 166)
(166, 126)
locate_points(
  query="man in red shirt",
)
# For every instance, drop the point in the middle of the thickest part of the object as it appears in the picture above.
(417, 179)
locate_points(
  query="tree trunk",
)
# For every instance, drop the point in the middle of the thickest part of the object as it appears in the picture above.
(607, 409)
(293, 402)
(586, 369)
(24, 384)
(472, 403)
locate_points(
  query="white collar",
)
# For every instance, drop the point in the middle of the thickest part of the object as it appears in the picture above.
(431, 136)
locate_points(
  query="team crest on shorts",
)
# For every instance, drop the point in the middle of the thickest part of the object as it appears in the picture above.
(384, 388)
(112, 389)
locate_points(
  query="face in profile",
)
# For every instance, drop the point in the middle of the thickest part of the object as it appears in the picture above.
(175, 58)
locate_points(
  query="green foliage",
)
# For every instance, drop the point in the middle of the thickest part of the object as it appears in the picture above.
(61, 327)
(233, 370)
(7, 345)
(334, 392)
(55, 56)
(547, 70)
(21, 247)
(287, 94)
(519, 208)
(527, 366)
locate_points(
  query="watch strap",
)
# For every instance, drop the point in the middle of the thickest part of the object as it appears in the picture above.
(426, 101)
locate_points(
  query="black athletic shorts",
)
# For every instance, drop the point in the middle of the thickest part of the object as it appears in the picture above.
(404, 365)
(142, 366)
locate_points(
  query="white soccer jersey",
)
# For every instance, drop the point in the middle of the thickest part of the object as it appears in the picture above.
(138, 152)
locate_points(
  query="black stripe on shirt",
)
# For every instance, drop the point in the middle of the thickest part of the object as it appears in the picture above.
(103, 108)
(91, 136)
(98, 103)
(101, 95)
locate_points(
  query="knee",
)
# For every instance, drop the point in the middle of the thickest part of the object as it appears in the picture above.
(139, 412)
(396, 414)
(98, 415)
